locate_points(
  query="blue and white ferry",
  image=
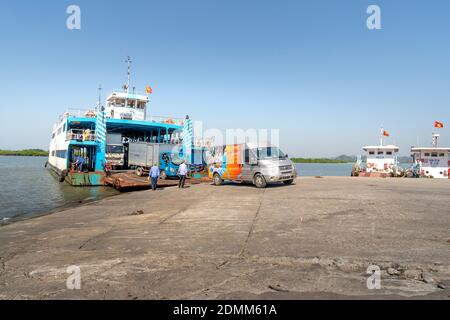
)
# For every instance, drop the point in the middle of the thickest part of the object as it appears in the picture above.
(100, 136)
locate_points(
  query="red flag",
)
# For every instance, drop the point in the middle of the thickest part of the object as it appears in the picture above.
(438, 124)
(149, 89)
(386, 134)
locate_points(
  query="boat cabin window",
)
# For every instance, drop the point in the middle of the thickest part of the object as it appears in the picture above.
(380, 153)
(434, 155)
(389, 153)
(131, 103)
(427, 154)
(141, 105)
(442, 155)
(372, 153)
(61, 154)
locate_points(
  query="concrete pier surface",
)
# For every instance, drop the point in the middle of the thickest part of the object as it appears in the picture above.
(314, 239)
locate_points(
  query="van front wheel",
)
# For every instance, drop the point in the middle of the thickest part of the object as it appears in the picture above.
(260, 181)
(217, 180)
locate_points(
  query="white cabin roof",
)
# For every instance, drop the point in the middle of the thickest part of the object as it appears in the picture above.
(389, 148)
(431, 149)
(130, 96)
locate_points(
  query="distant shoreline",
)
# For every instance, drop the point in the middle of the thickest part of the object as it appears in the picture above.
(24, 153)
(320, 160)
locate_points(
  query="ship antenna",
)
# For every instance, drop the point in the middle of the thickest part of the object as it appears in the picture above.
(99, 103)
(381, 136)
(435, 140)
(128, 73)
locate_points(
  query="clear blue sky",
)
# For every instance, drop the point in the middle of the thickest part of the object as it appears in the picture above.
(309, 68)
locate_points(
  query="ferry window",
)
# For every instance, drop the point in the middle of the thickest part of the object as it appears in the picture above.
(380, 153)
(119, 103)
(372, 152)
(427, 154)
(434, 154)
(53, 135)
(441, 155)
(61, 154)
(389, 153)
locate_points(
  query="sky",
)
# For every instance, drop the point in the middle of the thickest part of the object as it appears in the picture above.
(311, 69)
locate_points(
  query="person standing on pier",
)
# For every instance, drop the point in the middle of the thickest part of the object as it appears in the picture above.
(182, 172)
(154, 176)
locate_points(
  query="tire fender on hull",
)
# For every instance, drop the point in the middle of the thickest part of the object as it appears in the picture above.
(62, 176)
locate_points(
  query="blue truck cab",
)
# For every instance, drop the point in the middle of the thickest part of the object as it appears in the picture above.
(169, 163)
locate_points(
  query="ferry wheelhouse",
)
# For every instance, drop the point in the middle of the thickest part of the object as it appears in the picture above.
(381, 160)
(100, 136)
(432, 162)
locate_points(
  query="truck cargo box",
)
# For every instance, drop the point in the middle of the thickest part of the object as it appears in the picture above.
(143, 154)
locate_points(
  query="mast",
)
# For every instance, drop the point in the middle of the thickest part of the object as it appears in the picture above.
(99, 102)
(435, 140)
(129, 62)
(381, 136)
(127, 86)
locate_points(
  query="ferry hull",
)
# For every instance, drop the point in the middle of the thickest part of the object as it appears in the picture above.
(86, 179)
(89, 179)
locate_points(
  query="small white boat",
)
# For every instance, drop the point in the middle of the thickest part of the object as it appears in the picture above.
(432, 162)
(381, 160)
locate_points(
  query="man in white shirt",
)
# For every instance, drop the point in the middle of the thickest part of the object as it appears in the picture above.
(182, 172)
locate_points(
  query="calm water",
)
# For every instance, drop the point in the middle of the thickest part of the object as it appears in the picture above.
(28, 189)
(324, 169)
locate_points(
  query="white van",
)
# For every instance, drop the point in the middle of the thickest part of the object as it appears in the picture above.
(258, 164)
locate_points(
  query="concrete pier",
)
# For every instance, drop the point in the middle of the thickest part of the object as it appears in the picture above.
(314, 239)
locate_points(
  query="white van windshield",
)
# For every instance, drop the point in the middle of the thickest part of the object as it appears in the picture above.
(270, 153)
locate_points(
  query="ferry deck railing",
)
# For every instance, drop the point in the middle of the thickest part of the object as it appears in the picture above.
(87, 113)
(81, 135)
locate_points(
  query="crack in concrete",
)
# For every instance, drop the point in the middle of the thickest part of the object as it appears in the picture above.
(252, 227)
(163, 221)
(95, 237)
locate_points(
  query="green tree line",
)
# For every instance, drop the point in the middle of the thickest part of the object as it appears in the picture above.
(25, 153)
(319, 160)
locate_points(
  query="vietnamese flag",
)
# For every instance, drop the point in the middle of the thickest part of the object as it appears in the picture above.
(438, 124)
(386, 134)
